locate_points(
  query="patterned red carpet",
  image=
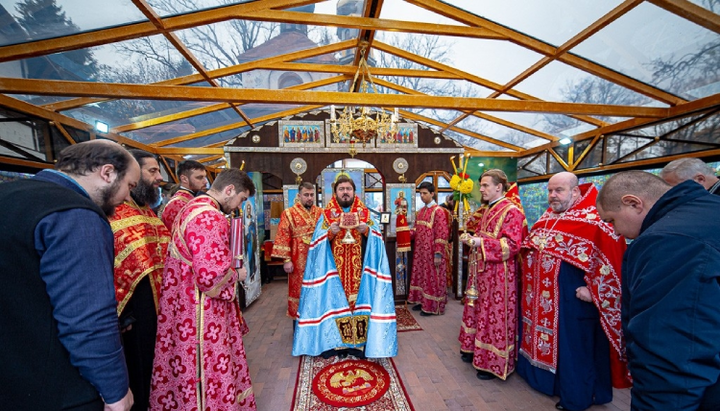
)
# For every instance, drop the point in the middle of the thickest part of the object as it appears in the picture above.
(405, 320)
(349, 384)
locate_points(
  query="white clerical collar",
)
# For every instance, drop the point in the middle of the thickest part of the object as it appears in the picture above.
(430, 204)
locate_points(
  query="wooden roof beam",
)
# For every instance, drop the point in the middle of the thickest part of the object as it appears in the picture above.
(227, 127)
(548, 50)
(689, 11)
(368, 23)
(188, 93)
(222, 72)
(417, 117)
(212, 108)
(467, 76)
(593, 28)
(698, 105)
(58, 119)
(142, 29)
(477, 114)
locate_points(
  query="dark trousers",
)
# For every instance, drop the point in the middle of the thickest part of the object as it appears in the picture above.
(139, 342)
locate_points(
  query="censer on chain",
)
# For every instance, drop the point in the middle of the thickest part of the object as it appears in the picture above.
(471, 294)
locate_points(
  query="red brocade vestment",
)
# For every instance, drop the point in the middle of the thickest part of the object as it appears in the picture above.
(292, 242)
(348, 257)
(200, 361)
(428, 283)
(141, 241)
(579, 237)
(489, 328)
(173, 207)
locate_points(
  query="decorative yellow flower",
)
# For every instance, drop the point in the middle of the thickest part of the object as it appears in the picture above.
(466, 186)
(454, 181)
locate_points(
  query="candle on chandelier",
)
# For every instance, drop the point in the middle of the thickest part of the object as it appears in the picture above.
(332, 112)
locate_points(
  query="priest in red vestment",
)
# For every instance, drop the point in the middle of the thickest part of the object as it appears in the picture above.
(292, 241)
(571, 337)
(200, 359)
(488, 335)
(141, 241)
(346, 302)
(193, 178)
(428, 284)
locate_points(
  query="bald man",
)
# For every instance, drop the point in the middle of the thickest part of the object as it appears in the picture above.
(571, 339)
(677, 171)
(671, 289)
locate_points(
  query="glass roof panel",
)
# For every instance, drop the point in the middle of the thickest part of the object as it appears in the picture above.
(436, 87)
(185, 126)
(473, 142)
(500, 132)
(123, 112)
(272, 79)
(46, 20)
(560, 82)
(166, 8)
(254, 111)
(212, 138)
(233, 42)
(555, 124)
(39, 100)
(552, 21)
(475, 56)
(400, 10)
(141, 61)
(659, 48)
(328, 58)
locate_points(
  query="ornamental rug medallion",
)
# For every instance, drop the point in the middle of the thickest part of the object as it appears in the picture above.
(349, 384)
(405, 320)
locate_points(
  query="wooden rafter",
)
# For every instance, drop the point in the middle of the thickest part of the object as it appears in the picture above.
(477, 114)
(232, 126)
(417, 117)
(143, 29)
(698, 105)
(222, 72)
(687, 10)
(142, 91)
(548, 50)
(27, 108)
(593, 28)
(467, 76)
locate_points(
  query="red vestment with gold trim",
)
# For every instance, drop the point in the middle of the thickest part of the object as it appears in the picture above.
(292, 242)
(200, 319)
(141, 241)
(428, 283)
(402, 233)
(348, 257)
(489, 328)
(173, 207)
(579, 237)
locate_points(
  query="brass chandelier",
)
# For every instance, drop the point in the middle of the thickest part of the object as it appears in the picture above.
(362, 124)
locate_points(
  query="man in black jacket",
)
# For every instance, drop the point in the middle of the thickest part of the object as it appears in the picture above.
(671, 289)
(60, 337)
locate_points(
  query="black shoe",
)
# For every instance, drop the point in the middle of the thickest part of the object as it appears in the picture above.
(417, 307)
(359, 354)
(466, 356)
(343, 355)
(327, 354)
(485, 376)
(558, 406)
(424, 314)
